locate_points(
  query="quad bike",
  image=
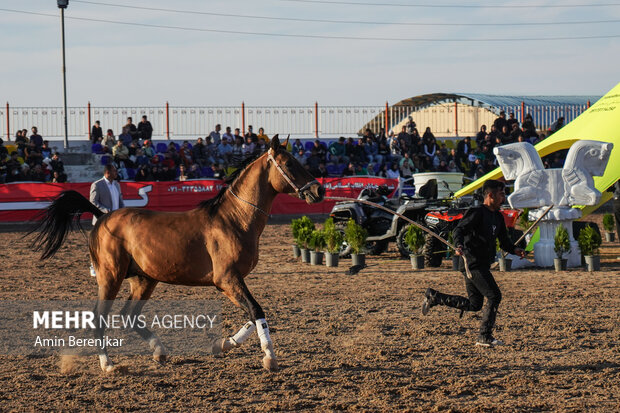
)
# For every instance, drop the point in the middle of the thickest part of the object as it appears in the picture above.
(382, 226)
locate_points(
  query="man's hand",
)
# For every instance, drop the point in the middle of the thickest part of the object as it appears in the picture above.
(521, 253)
(459, 250)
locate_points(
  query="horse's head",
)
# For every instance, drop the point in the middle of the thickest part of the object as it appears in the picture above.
(517, 159)
(590, 156)
(290, 176)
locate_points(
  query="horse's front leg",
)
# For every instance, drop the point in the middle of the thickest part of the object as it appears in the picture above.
(235, 289)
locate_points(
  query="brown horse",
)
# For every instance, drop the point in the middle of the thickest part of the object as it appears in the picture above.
(215, 244)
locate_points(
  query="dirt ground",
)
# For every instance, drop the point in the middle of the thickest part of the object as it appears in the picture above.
(344, 342)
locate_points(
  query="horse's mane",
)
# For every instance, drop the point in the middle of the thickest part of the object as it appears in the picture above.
(212, 205)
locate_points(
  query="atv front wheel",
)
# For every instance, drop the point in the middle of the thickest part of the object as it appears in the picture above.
(403, 248)
(432, 258)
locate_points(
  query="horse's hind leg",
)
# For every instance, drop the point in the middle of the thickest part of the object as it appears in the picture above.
(141, 290)
(235, 289)
(108, 289)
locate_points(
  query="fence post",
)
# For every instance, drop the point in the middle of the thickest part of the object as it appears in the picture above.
(387, 129)
(316, 120)
(8, 127)
(89, 123)
(7, 105)
(167, 121)
(522, 112)
(242, 118)
(456, 118)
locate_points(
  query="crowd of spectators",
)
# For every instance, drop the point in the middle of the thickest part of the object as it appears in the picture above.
(394, 156)
(30, 158)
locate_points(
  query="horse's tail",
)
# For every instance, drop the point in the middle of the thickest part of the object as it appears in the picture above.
(58, 219)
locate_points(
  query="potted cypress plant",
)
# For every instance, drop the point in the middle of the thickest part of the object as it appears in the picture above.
(589, 243)
(356, 235)
(561, 247)
(304, 231)
(317, 244)
(609, 224)
(333, 241)
(505, 264)
(414, 238)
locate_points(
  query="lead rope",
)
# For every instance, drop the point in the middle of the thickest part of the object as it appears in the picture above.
(428, 231)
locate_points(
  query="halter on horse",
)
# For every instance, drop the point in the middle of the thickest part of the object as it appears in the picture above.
(215, 244)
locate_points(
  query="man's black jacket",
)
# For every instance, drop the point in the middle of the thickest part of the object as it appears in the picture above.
(477, 232)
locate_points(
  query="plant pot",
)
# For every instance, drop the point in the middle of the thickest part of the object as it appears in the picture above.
(417, 262)
(610, 236)
(316, 258)
(505, 264)
(331, 260)
(358, 259)
(593, 262)
(560, 264)
(296, 251)
(305, 255)
(456, 262)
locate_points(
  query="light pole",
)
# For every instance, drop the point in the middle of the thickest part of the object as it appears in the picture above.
(62, 5)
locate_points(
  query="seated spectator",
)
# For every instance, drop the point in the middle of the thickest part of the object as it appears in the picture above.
(228, 135)
(143, 174)
(248, 148)
(317, 155)
(131, 130)
(297, 146)
(320, 171)
(185, 154)
(140, 159)
(300, 155)
(125, 137)
(261, 146)
(384, 151)
(349, 170)
(46, 151)
(172, 153)
(349, 149)
(182, 173)
(121, 153)
(21, 141)
(370, 169)
(59, 177)
(261, 134)
(224, 151)
(218, 171)
(96, 133)
(195, 172)
(360, 170)
(372, 152)
(144, 129)
(406, 166)
(56, 164)
(337, 151)
(359, 152)
(393, 172)
(236, 154)
(199, 153)
(37, 174)
(452, 167)
(109, 141)
(32, 154)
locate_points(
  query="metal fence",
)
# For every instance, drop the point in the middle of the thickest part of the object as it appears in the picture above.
(176, 122)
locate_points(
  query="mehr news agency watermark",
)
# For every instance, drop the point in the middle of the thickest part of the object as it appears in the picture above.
(35, 327)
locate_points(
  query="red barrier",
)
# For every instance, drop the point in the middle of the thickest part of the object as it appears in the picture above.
(22, 201)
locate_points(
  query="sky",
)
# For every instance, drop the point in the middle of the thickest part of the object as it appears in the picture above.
(215, 62)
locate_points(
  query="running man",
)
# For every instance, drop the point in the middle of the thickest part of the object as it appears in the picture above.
(475, 237)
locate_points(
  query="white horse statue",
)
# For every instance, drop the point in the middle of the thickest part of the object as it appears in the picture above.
(536, 186)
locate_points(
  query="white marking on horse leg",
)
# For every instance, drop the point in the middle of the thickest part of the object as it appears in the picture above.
(159, 351)
(105, 363)
(269, 361)
(225, 344)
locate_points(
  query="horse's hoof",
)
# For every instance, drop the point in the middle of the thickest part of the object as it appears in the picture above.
(160, 358)
(270, 364)
(108, 368)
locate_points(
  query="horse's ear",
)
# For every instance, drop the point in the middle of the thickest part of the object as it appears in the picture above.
(275, 142)
(285, 144)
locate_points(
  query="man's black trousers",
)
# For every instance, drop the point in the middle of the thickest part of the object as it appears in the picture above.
(482, 284)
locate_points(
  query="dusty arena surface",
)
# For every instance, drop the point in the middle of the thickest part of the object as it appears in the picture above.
(344, 342)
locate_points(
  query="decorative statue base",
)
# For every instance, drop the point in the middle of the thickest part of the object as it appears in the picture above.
(544, 249)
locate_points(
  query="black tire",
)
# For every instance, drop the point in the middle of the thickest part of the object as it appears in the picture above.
(376, 247)
(402, 246)
(431, 257)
